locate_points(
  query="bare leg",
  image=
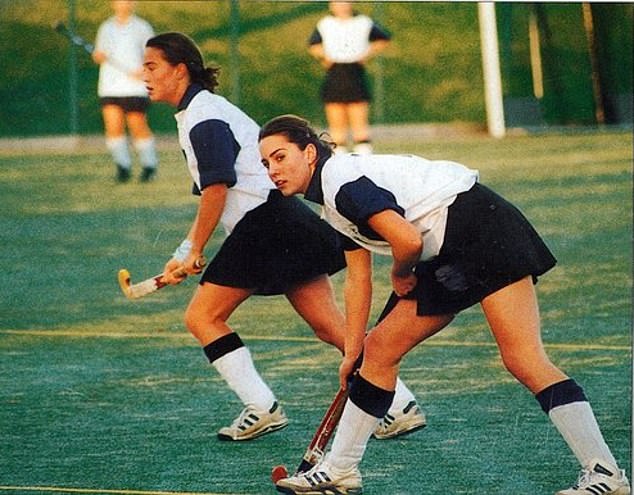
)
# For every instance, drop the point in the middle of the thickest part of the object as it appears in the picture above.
(513, 316)
(358, 114)
(315, 303)
(337, 118)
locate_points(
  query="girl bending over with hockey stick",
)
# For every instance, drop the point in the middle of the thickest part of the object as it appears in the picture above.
(454, 243)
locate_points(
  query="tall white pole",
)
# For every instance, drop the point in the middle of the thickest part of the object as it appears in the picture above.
(491, 68)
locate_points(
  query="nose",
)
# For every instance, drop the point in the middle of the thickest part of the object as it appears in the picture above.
(272, 170)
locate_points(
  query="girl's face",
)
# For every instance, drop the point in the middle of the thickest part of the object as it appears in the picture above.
(164, 82)
(289, 167)
(341, 9)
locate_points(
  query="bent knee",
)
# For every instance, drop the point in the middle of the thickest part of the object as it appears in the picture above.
(378, 351)
(534, 374)
(198, 320)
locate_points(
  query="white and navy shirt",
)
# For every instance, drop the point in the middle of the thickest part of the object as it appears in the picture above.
(346, 41)
(125, 44)
(220, 144)
(352, 188)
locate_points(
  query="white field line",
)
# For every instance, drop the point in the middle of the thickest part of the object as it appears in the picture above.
(180, 336)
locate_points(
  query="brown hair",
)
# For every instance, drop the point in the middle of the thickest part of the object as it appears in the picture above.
(181, 49)
(298, 131)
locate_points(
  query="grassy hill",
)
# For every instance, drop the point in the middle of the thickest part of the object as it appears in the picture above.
(431, 73)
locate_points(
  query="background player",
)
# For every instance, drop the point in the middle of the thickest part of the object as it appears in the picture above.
(454, 243)
(343, 42)
(119, 52)
(275, 245)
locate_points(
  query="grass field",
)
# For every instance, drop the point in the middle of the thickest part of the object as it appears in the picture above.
(99, 394)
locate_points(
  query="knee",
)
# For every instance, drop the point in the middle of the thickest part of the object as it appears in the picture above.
(378, 351)
(199, 320)
(534, 372)
(327, 334)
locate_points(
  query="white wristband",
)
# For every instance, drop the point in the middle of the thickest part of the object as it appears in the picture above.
(182, 251)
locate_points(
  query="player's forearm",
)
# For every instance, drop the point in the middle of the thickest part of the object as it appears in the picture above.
(210, 209)
(375, 48)
(358, 300)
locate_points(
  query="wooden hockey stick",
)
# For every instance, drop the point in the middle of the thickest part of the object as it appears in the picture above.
(152, 284)
(88, 47)
(315, 450)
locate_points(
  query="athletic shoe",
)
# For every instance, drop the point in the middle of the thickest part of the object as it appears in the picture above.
(362, 149)
(602, 479)
(322, 479)
(147, 174)
(123, 174)
(410, 419)
(253, 423)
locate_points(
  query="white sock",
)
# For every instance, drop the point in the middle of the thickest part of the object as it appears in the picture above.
(238, 370)
(402, 397)
(118, 148)
(354, 430)
(364, 148)
(578, 426)
(146, 148)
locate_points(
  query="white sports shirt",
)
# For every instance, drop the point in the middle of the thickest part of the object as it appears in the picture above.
(220, 143)
(124, 44)
(346, 41)
(351, 188)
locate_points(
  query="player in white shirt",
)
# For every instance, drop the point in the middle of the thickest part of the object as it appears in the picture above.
(454, 243)
(344, 42)
(274, 245)
(118, 50)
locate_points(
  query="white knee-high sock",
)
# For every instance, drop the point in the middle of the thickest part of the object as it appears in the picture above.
(402, 397)
(354, 430)
(578, 426)
(238, 370)
(146, 148)
(118, 147)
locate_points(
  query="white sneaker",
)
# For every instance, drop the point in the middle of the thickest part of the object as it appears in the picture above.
(322, 479)
(362, 149)
(253, 423)
(410, 419)
(602, 479)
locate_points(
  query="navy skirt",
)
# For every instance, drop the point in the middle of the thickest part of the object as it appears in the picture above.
(488, 245)
(275, 247)
(345, 83)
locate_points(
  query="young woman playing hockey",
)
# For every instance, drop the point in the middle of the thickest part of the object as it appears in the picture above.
(454, 243)
(275, 245)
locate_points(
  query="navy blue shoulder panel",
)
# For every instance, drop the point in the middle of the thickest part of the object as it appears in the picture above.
(216, 150)
(359, 200)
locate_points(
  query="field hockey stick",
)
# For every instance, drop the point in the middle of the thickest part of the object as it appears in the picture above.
(74, 38)
(152, 284)
(315, 450)
(89, 48)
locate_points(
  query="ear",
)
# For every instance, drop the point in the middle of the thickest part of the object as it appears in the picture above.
(181, 71)
(311, 154)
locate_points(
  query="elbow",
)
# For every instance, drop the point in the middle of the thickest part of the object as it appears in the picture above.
(415, 246)
(410, 250)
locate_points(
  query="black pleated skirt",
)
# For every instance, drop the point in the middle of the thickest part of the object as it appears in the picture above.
(275, 247)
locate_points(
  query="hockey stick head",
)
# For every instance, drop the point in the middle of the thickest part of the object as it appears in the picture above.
(124, 282)
(278, 472)
(59, 27)
(77, 40)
